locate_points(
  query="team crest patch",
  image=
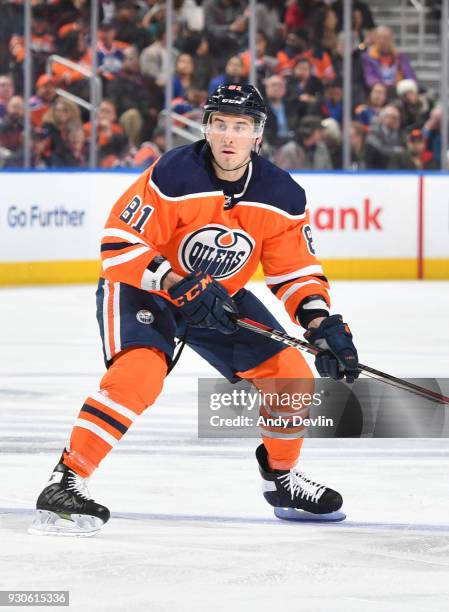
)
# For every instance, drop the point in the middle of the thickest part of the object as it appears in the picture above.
(145, 316)
(217, 250)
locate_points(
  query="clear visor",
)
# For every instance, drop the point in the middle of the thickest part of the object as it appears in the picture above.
(235, 127)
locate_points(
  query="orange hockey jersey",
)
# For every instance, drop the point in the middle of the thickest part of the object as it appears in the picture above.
(176, 216)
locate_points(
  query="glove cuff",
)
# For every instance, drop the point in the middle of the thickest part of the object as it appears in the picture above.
(154, 274)
(312, 307)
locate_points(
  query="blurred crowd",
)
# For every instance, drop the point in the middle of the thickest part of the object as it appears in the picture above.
(299, 64)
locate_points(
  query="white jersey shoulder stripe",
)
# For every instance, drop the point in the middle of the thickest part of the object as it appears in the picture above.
(282, 278)
(112, 232)
(119, 259)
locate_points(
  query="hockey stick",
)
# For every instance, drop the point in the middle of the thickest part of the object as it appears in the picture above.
(302, 345)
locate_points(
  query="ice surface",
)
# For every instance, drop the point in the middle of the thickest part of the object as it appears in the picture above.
(190, 530)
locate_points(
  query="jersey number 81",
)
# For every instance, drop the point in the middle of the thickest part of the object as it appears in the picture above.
(130, 213)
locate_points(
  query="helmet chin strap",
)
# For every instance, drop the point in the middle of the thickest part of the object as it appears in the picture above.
(231, 169)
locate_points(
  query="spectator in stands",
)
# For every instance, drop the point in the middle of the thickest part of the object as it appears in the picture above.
(39, 149)
(319, 58)
(295, 46)
(331, 133)
(227, 23)
(11, 128)
(415, 156)
(190, 16)
(360, 36)
(358, 84)
(129, 30)
(332, 104)
(432, 133)
(232, 74)
(73, 47)
(61, 112)
(205, 68)
(38, 159)
(41, 102)
(265, 64)
(282, 116)
(187, 16)
(382, 62)
(112, 144)
(149, 151)
(5, 156)
(42, 45)
(153, 59)
(55, 123)
(73, 14)
(357, 137)
(268, 20)
(154, 17)
(137, 98)
(73, 151)
(385, 139)
(296, 15)
(324, 28)
(364, 16)
(304, 88)
(110, 134)
(367, 113)
(307, 151)
(6, 92)
(11, 21)
(109, 51)
(183, 77)
(413, 107)
(192, 106)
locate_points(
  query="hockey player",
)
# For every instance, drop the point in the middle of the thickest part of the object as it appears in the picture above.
(177, 251)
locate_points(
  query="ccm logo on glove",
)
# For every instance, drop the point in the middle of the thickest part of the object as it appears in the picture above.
(204, 302)
(192, 293)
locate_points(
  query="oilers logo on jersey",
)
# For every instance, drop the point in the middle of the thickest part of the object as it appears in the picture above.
(216, 249)
(180, 221)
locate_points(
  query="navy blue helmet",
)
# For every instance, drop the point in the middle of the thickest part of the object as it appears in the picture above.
(237, 99)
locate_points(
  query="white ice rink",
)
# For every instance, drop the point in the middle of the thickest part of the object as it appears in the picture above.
(190, 530)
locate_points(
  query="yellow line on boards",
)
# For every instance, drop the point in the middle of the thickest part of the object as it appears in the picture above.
(49, 272)
(436, 269)
(365, 269)
(87, 271)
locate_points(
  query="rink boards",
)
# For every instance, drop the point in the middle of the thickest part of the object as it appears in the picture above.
(368, 225)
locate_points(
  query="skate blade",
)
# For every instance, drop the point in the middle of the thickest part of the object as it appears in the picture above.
(74, 525)
(293, 514)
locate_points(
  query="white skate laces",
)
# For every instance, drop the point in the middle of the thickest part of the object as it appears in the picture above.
(78, 484)
(300, 486)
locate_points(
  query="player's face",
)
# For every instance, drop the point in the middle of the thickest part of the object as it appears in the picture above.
(231, 138)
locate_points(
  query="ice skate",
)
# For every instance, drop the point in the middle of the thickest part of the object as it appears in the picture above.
(296, 497)
(64, 508)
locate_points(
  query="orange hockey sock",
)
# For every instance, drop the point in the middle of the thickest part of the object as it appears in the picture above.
(277, 377)
(132, 383)
(282, 454)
